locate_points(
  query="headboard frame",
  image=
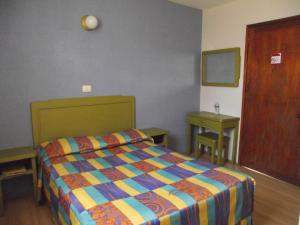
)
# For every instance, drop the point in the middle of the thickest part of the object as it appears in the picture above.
(73, 117)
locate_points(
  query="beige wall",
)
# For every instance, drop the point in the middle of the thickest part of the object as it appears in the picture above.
(225, 26)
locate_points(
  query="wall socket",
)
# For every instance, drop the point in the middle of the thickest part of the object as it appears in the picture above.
(86, 88)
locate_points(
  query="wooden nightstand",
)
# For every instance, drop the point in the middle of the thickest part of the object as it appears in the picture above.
(160, 136)
(16, 162)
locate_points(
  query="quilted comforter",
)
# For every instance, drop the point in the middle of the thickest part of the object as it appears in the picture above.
(124, 178)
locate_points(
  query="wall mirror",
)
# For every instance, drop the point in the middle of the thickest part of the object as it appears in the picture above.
(221, 67)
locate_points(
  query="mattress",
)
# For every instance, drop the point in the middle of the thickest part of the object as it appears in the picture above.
(124, 178)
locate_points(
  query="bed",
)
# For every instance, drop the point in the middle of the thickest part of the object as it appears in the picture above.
(96, 168)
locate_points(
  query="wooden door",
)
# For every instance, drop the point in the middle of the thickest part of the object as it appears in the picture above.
(270, 132)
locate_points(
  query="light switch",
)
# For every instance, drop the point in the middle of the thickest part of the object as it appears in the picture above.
(86, 88)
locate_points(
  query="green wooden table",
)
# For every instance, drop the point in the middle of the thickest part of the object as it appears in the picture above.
(215, 122)
(17, 156)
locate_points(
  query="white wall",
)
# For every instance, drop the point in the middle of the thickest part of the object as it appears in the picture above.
(224, 26)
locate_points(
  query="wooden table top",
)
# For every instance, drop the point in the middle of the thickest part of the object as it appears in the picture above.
(14, 154)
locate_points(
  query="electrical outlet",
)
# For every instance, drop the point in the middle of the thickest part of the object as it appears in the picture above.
(86, 88)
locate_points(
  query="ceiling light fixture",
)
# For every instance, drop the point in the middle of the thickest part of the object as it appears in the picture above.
(89, 22)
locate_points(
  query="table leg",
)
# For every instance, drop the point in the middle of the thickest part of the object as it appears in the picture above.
(165, 140)
(34, 177)
(202, 146)
(220, 146)
(1, 199)
(197, 150)
(235, 140)
(188, 134)
(213, 153)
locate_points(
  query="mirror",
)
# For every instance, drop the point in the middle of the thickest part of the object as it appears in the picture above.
(221, 67)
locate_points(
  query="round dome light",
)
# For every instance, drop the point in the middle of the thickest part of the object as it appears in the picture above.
(89, 22)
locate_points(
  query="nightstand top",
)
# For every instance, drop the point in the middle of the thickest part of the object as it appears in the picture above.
(14, 154)
(154, 131)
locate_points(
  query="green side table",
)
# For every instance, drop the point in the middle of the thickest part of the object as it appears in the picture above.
(215, 122)
(10, 159)
(160, 136)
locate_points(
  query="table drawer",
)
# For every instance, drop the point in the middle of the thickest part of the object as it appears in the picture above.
(204, 123)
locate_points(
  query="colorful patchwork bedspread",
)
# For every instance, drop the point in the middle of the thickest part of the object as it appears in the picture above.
(124, 178)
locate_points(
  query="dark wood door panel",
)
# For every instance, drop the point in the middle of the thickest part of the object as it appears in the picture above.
(270, 132)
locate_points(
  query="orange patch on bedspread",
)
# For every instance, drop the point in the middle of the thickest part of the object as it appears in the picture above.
(197, 192)
(144, 166)
(74, 181)
(108, 214)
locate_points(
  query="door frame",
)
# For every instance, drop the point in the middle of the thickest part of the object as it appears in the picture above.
(245, 81)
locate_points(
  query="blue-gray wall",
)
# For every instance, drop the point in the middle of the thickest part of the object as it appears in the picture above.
(146, 48)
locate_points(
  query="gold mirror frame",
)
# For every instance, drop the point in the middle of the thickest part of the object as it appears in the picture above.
(237, 59)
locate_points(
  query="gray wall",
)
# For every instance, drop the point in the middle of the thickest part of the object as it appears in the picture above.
(146, 48)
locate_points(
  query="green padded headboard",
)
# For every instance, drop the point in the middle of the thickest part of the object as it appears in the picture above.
(81, 116)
